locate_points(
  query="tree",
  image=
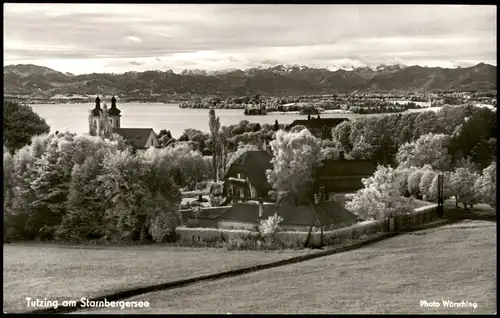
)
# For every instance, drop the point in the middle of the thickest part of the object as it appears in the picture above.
(451, 117)
(257, 127)
(295, 156)
(477, 129)
(139, 188)
(433, 195)
(20, 124)
(425, 123)
(340, 136)
(50, 183)
(85, 218)
(414, 179)
(462, 183)
(387, 181)
(404, 174)
(8, 180)
(428, 149)
(426, 183)
(214, 125)
(106, 127)
(380, 196)
(164, 132)
(185, 165)
(486, 185)
(484, 151)
(362, 149)
(366, 204)
(191, 134)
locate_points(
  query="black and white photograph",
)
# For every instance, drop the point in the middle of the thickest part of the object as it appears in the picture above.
(249, 158)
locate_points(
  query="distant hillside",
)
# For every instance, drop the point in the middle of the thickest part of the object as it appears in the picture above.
(276, 81)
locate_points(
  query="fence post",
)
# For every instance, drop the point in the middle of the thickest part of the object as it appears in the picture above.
(391, 223)
(397, 223)
(321, 243)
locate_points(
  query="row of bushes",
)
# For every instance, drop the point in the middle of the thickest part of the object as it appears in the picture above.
(257, 240)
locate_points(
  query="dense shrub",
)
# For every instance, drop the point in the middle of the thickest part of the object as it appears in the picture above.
(163, 227)
(216, 191)
(269, 226)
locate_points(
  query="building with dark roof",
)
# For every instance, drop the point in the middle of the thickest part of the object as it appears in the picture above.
(319, 127)
(246, 177)
(139, 138)
(343, 176)
(103, 122)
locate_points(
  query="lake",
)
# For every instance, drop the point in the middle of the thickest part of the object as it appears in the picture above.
(74, 117)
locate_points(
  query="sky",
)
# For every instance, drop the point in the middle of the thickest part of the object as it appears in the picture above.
(117, 38)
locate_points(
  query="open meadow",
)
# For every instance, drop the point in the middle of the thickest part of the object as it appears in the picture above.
(65, 272)
(454, 262)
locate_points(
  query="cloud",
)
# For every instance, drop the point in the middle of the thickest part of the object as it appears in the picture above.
(212, 36)
(132, 39)
(135, 63)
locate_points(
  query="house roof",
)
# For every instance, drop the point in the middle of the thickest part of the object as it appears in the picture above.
(317, 123)
(254, 165)
(340, 168)
(327, 213)
(137, 136)
(344, 176)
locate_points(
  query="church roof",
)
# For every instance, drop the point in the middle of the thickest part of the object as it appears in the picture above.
(97, 111)
(114, 111)
(136, 136)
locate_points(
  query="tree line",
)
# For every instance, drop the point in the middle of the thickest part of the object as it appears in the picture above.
(81, 187)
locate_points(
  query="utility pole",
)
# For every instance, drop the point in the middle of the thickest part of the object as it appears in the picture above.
(440, 188)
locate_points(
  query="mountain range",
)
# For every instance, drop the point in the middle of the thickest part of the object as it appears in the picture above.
(40, 81)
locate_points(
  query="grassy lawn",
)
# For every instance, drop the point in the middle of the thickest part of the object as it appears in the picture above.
(454, 262)
(72, 272)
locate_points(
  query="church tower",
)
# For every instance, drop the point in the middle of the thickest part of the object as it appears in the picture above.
(114, 114)
(95, 116)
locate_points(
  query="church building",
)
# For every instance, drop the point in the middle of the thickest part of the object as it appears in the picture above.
(104, 122)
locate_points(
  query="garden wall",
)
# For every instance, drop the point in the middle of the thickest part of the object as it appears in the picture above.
(297, 239)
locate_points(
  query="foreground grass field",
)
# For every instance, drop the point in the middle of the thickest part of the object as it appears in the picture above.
(455, 262)
(72, 272)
